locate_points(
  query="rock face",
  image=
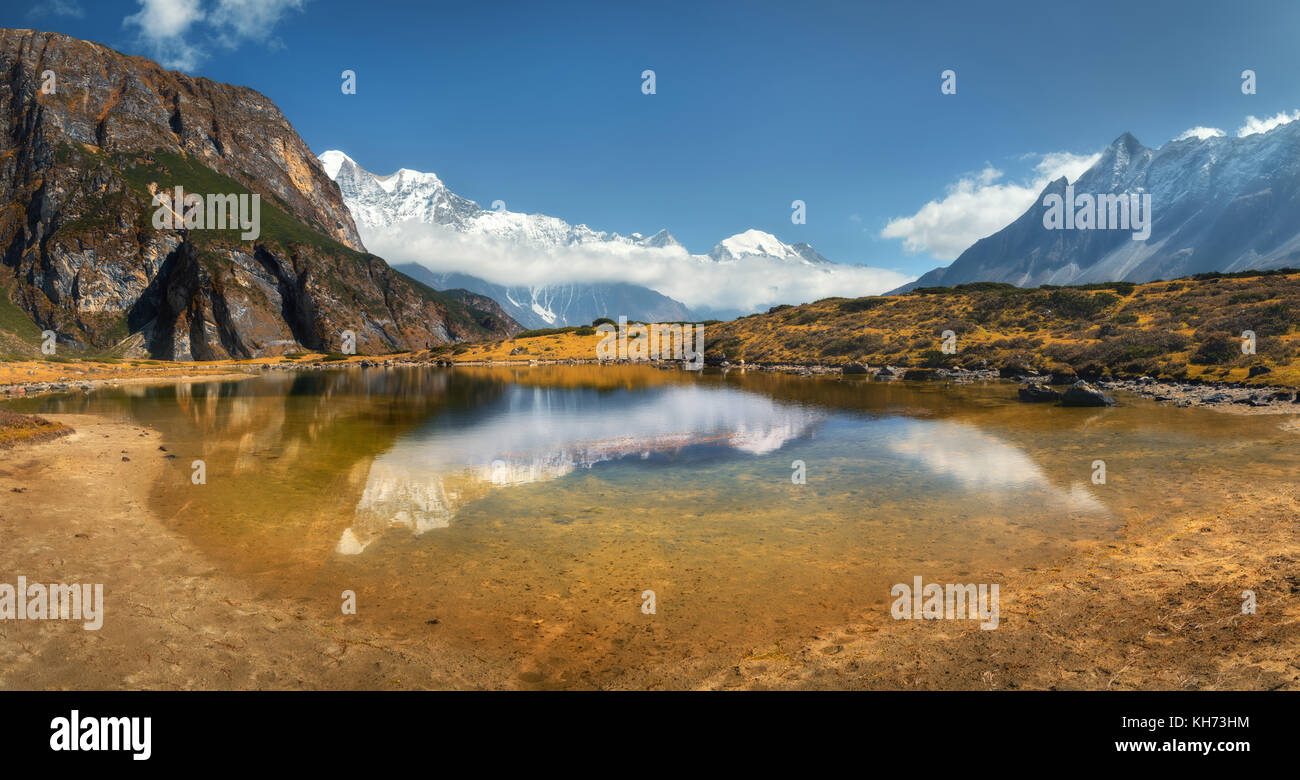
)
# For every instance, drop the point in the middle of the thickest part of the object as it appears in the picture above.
(89, 135)
(1084, 394)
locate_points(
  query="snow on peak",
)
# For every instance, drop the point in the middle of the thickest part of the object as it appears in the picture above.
(332, 160)
(753, 243)
(379, 203)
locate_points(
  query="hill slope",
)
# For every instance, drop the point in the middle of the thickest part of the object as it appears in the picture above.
(1184, 329)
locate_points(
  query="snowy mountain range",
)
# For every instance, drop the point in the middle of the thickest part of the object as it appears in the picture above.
(399, 212)
(1218, 203)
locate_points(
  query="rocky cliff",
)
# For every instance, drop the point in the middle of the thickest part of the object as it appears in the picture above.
(89, 135)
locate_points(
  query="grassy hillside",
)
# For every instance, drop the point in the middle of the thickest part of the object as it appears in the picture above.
(1183, 329)
(19, 336)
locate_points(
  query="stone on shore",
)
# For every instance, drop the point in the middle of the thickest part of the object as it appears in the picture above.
(1084, 394)
(1038, 393)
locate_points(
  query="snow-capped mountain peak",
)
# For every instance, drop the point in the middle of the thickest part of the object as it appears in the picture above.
(468, 236)
(756, 243)
(659, 240)
(333, 160)
(379, 202)
(1217, 203)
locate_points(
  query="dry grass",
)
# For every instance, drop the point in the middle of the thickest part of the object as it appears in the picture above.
(26, 429)
(1185, 329)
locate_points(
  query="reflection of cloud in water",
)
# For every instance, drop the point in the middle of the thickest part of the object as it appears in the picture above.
(540, 434)
(983, 462)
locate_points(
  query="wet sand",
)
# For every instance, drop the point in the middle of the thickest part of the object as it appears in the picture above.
(172, 620)
(1159, 607)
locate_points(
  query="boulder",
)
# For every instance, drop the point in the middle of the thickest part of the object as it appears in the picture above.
(1084, 394)
(854, 368)
(1038, 393)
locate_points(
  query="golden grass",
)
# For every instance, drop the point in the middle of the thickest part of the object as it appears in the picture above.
(1168, 330)
(27, 429)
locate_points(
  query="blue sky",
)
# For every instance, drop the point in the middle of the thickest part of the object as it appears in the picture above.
(837, 104)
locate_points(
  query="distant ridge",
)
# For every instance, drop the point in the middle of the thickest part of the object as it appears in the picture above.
(1219, 203)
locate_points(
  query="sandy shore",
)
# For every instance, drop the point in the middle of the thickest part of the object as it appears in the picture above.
(75, 510)
(1160, 607)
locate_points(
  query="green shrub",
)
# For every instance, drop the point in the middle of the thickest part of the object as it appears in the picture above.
(1216, 351)
(1079, 305)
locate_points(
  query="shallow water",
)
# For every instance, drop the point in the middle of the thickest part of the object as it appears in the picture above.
(527, 510)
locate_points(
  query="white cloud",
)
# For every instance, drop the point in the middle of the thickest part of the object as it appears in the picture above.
(695, 280)
(979, 205)
(69, 8)
(253, 20)
(167, 28)
(163, 26)
(1201, 133)
(1255, 125)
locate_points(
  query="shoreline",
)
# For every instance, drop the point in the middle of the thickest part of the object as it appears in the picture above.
(1229, 397)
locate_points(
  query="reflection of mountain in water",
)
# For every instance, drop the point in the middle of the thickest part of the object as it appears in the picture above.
(535, 434)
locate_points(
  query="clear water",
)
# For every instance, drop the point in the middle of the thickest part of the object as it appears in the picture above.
(528, 509)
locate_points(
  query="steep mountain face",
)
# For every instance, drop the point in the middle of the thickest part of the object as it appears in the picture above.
(1218, 204)
(89, 135)
(381, 203)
